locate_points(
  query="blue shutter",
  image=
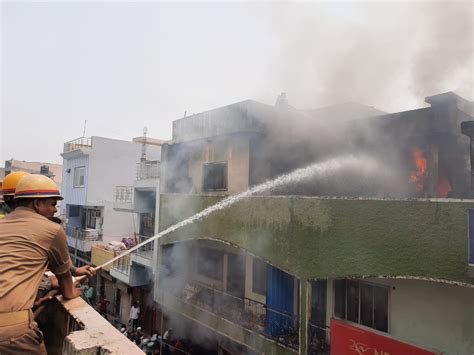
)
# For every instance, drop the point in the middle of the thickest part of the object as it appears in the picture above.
(280, 318)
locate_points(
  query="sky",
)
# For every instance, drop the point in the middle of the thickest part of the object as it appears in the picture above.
(126, 65)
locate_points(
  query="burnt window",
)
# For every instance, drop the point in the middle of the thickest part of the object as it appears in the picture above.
(147, 224)
(210, 263)
(215, 176)
(259, 277)
(362, 303)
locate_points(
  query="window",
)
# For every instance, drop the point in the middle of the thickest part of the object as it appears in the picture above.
(79, 176)
(215, 176)
(210, 263)
(259, 277)
(74, 211)
(361, 303)
(147, 224)
(91, 218)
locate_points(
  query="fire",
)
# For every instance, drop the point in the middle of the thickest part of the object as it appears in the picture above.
(444, 187)
(418, 176)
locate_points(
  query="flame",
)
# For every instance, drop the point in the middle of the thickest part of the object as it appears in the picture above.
(444, 187)
(418, 176)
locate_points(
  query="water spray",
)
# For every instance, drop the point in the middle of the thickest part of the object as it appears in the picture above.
(316, 169)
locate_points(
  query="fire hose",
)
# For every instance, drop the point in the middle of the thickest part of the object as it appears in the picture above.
(55, 292)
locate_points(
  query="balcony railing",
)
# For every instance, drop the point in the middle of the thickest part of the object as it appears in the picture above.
(79, 143)
(123, 193)
(84, 234)
(148, 170)
(123, 264)
(318, 336)
(123, 197)
(147, 250)
(272, 323)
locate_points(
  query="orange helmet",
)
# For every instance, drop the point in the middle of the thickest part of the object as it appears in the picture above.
(10, 181)
(37, 186)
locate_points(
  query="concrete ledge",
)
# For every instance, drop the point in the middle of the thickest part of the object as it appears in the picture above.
(97, 336)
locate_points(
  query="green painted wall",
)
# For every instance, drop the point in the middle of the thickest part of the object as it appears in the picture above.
(321, 238)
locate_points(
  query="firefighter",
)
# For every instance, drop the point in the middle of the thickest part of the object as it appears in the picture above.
(8, 191)
(29, 243)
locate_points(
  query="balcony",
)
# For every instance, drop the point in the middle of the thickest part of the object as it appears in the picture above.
(273, 324)
(123, 198)
(127, 270)
(74, 327)
(82, 239)
(147, 170)
(100, 255)
(77, 144)
(144, 254)
(145, 251)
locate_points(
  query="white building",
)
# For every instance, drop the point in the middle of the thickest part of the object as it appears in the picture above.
(92, 168)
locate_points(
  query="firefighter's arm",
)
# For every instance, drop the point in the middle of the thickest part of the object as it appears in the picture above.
(66, 286)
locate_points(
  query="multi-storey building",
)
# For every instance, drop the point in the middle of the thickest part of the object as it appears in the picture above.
(132, 277)
(384, 265)
(92, 168)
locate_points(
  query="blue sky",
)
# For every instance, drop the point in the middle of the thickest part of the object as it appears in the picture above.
(125, 65)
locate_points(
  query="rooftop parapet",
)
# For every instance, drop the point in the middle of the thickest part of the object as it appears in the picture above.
(74, 327)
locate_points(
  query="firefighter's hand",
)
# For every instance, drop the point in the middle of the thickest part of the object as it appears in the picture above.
(76, 291)
(41, 300)
(87, 271)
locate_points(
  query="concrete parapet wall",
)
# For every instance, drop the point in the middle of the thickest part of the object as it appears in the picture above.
(336, 237)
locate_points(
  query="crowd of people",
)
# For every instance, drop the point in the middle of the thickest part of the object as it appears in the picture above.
(155, 343)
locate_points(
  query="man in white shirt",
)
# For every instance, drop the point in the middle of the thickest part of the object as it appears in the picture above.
(134, 313)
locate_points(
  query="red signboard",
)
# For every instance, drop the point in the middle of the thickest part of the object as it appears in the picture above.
(350, 340)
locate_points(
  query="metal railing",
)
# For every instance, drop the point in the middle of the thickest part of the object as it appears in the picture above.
(147, 250)
(148, 170)
(85, 234)
(318, 337)
(81, 142)
(124, 194)
(123, 264)
(272, 323)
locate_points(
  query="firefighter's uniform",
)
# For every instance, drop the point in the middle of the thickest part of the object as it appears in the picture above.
(29, 243)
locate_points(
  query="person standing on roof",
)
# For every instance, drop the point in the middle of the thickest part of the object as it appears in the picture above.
(29, 243)
(8, 191)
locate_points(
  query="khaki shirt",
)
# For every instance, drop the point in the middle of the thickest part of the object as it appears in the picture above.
(29, 243)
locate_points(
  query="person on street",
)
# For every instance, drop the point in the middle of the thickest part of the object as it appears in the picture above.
(90, 293)
(102, 305)
(134, 314)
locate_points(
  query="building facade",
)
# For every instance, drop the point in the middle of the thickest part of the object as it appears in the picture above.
(382, 266)
(92, 168)
(131, 278)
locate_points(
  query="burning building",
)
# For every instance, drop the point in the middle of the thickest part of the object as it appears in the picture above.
(335, 264)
